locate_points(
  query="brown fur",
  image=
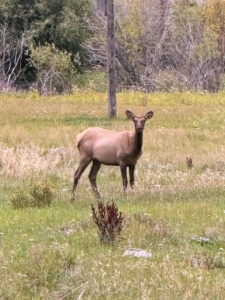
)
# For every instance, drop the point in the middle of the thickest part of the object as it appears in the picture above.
(114, 148)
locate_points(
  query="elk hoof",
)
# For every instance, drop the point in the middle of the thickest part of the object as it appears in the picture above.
(72, 199)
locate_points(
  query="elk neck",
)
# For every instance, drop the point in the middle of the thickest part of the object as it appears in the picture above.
(138, 140)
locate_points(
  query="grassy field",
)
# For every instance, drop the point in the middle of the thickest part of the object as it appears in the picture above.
(176, 213)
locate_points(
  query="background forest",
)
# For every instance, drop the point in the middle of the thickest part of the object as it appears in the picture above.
(161, 45)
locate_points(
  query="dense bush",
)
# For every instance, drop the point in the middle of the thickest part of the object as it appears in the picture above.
(54, 69)
(28, 23)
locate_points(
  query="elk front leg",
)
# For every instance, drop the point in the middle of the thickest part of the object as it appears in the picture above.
(123, 170)
(92, 177)
(131, 173)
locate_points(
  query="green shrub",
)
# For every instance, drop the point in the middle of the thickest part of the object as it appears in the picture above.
(40, 194)
(21, 199)
(54, 69)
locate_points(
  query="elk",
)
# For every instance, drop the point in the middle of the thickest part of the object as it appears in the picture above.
(108, 147)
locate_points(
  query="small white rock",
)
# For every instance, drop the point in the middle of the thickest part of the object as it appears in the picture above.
(137, 253)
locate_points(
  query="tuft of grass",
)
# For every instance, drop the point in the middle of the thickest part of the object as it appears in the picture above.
(40, 194)
(204, 262)
(21, 199)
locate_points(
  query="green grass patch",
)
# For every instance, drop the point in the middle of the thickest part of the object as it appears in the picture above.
(44, 250)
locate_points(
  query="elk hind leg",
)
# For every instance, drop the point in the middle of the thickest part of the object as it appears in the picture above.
(82, 166)
(93, 175)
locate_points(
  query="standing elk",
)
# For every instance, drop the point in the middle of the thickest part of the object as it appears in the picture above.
(108, 147)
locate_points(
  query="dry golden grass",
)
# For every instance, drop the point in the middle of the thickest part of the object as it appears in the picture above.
(39, 137)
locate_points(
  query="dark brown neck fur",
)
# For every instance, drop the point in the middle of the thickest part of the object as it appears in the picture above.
(138, 141)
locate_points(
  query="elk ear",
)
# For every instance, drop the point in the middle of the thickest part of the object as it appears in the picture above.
(129, 114)
(149, 115)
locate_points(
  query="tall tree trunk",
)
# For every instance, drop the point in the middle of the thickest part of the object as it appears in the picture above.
(111, 60)
(102, 7)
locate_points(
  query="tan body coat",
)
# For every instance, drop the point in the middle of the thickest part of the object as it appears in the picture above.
(108, 147)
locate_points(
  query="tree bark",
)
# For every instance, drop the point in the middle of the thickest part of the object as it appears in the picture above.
(102, 7)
